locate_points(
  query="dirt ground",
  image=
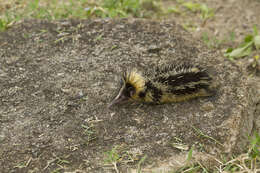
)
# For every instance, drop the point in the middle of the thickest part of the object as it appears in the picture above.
(57, 78)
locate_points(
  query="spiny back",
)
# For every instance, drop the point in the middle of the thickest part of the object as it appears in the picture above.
(173, 83)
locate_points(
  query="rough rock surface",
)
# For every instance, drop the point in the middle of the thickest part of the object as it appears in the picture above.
(57, 78)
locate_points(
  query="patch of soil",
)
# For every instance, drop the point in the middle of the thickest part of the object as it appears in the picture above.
(232, 16)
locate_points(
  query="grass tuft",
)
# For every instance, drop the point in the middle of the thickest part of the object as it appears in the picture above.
(251, 41)
(81, 9)
(246, 162)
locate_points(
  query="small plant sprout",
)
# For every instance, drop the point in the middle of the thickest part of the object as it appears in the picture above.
(251, 41)
(204, 10)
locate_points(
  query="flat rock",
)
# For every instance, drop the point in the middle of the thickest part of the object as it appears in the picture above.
(57, 78)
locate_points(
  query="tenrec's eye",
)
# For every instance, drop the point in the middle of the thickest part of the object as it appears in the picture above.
(130, 88)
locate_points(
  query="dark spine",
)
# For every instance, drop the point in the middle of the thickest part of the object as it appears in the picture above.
(190, 82)
(156, 93)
